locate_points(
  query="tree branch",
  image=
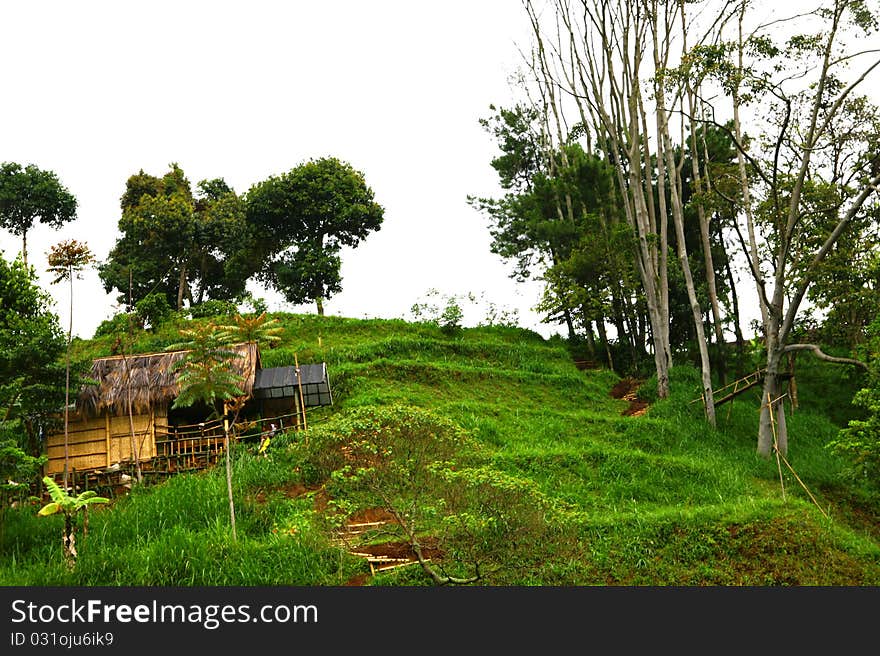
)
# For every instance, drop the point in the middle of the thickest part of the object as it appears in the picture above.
(791, 348)
(872, 186)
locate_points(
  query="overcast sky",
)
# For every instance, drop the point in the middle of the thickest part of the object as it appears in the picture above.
(98, 90)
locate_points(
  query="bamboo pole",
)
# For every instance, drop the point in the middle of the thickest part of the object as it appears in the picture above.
(787, 464)
(301, 398)
(107, 435)
(775, 444)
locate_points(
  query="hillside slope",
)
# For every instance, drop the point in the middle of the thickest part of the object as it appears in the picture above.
(571, 491)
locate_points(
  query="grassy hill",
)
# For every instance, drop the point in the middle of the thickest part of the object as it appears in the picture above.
(544, 480)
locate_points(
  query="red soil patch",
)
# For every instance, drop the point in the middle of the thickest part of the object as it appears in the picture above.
(402, 552)
(368, 515)
(401, 549)
(291, 491)
(358, 579)
(627, 390)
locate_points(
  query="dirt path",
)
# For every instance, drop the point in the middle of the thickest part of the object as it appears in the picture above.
(627, 389)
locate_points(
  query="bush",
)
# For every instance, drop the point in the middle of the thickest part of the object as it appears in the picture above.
(116, 325)
(213, 309)
(860, 440)
(423, 469)
(153, 310)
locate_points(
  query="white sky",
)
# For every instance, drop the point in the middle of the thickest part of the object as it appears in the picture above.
(97, 90)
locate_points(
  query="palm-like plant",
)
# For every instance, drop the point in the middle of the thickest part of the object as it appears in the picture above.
(66, 260)
(259, 329)
(70, 507)
(206, 376)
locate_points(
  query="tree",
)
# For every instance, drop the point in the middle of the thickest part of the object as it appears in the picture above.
(814, 132)
(613, 63)
(31, 347)
(815, 176)
(610, 103)
(66, 260)
(560, 220)
(302, 219)
(17, 469)
(186, 245)
(69, 506)
(29, 194)
(847, 287)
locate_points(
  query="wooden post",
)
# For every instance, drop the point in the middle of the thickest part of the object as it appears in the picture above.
(301, 399)
(153, 428)
(107, 435)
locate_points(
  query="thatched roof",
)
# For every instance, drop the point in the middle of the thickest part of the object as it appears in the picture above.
(153, 380)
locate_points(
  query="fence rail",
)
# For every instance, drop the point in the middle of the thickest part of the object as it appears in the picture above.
(182, 448)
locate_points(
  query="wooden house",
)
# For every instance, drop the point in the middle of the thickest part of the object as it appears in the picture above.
(103, 433)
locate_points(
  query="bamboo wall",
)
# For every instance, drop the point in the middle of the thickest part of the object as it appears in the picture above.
(98, 442)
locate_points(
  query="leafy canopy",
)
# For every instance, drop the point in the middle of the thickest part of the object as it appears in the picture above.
(187, 245)
(302, 219)
(28, 194)
(31, 347)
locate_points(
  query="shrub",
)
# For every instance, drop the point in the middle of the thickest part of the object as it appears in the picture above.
(153, 309)
(421, 468)
(860, 440)
(213, 309)
(116, 325)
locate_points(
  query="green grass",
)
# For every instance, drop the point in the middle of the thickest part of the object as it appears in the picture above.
(660, 499)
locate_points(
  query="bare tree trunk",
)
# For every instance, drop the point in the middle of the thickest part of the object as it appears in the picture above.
(591, 339)
(773, 431)
(135, 450)
(569, 324)
(226, 447)
(319, 304)
(706, 242)
(24, 248)
(181, 286)
(737, 321)
(603, 337)
(68, 542)
(67, 387)
(792, 381)
(666, 163)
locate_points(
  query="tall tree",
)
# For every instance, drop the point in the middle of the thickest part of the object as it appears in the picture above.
(529, 225)
(602, 63)
(301, 220)
(811, 137)
(663, 19)
(66, 260)
(188, 245)
(30, 194)
(611, 61)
